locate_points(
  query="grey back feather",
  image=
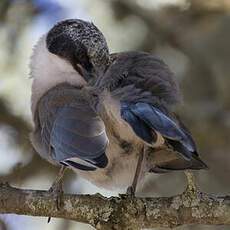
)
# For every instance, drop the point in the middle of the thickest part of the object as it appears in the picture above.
(139, 76)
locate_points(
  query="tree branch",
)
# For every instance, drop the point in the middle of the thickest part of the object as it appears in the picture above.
(124, 212)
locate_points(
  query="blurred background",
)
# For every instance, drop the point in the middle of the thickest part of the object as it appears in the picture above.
(191, 36)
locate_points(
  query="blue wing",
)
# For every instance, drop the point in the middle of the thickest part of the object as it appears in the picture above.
(145, 118)
(72, 130)
(75, 134)
(138, 125)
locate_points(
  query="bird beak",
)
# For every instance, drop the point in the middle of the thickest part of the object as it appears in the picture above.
(84, 73)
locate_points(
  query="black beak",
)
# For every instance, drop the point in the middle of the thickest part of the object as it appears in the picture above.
(86, 74)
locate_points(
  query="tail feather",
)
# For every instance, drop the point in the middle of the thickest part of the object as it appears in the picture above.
(167, 159)
(179, 164)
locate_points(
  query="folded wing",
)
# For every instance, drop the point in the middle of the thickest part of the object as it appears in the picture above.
(147, 120)
(147, 91)
(73, 132)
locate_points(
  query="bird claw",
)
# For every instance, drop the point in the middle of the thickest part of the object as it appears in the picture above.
(130, 191)
(191, 183)
(57, 191)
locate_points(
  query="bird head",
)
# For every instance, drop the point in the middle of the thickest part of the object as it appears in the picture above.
(73, 51)
(80, 43)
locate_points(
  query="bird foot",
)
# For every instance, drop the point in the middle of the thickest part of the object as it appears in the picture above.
(191, 183)
(56, 190)
(130, 191)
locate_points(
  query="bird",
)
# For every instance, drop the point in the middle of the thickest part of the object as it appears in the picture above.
(106, 116)
(67, 132)
(137, 97)
(67, 129)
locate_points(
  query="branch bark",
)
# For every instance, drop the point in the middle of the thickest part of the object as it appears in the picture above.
(124, 212)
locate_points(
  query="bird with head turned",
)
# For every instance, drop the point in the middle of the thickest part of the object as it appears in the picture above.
(108, 117)
(67, 131)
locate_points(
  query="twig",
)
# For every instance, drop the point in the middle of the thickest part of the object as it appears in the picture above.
(122, 212)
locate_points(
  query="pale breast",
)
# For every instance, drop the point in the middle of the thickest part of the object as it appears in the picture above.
(123, 151)
(120, 171)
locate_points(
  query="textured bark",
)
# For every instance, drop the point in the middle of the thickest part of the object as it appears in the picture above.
(124, 212)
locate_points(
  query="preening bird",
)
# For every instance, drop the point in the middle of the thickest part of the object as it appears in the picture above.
(108, 117)
(67, 131)
(137, 95)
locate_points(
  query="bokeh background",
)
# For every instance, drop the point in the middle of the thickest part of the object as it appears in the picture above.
(193, 38)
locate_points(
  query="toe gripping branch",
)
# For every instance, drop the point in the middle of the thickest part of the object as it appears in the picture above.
(57, 189)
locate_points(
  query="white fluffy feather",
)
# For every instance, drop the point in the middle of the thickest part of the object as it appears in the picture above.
(48, 70)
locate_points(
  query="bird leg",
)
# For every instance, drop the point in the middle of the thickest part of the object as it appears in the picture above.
(192, 193)
(191, 186)
(56, 189)
(132, 189)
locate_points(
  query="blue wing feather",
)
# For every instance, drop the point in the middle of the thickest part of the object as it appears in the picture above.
(73, 137)
(153, 119)
(70, 131)
(162, 123)
(74, 144)
(140, 128)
